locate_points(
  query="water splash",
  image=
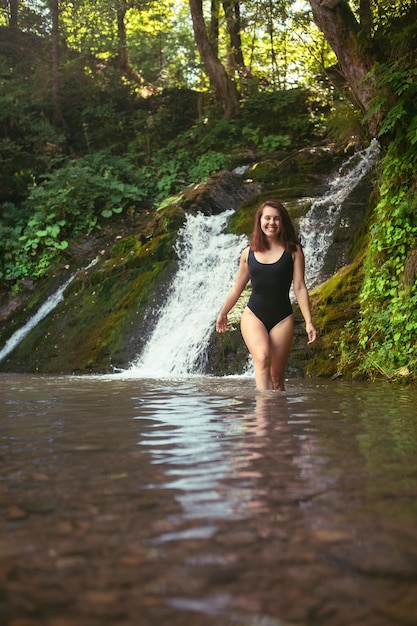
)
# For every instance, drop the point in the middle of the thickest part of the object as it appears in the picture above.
(208, 258)
(48, 306)
(318, 226)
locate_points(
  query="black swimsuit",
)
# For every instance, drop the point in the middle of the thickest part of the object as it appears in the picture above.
(271, 282)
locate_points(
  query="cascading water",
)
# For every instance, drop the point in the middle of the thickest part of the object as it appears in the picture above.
(207, 264)
(43, 311)
(318, 226)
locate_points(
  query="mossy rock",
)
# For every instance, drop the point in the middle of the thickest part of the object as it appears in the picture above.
(92, 329)
(104, 320)
(301, 171)
(265, 172)
(222, 191)
(334, 305)
(227, 354)
(169, 219)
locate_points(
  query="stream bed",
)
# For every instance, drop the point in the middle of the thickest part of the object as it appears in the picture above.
(197, 501)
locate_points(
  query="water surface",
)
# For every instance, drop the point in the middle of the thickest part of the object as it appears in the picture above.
(198, 501)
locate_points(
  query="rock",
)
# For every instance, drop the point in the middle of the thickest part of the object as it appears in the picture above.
(15, 513)
(221, 192)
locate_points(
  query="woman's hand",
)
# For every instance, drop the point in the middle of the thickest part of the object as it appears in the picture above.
(221, 323)
(311, 332)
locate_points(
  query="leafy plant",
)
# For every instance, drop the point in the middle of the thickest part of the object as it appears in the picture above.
(388, 328)
(70, 201)
(266, 143)
(207, 164)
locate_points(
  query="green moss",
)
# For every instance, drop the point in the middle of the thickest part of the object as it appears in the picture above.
(102, 336)
(129, 244)
(241, 222)
(297, 171)
(335, 306)
(265, 172)
(160, 247)
(228, 354)
(88, 329)
(169, 219)
(108, 314)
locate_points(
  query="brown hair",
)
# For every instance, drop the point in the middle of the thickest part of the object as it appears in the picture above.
(288, 236)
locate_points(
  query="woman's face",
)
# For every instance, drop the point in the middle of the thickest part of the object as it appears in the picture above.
(270, 222)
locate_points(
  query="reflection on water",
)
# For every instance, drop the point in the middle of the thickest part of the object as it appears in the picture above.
(201, 501)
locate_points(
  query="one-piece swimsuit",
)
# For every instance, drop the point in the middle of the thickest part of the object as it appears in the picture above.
(271, 282)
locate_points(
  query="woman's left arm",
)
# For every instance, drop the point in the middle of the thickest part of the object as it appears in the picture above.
(301, 292)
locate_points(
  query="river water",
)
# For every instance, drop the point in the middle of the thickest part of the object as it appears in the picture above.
(199, 501)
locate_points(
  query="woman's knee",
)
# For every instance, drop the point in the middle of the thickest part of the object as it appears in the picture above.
(261, 359)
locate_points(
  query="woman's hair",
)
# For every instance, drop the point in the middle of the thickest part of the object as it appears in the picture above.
(288, 236)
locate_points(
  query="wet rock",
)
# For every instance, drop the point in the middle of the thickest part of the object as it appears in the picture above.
(16, 513)
(221, 192)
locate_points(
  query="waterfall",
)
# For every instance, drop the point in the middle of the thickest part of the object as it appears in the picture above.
(208, 260)
(317, 227)
(43, 311)
(207, 265)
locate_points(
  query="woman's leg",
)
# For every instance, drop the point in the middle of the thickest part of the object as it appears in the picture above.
(280, 339)
(256, 338)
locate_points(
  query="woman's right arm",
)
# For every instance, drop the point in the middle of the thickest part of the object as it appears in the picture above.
(232, 297)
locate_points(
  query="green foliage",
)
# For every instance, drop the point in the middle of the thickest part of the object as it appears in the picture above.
(387, 336)
(10, 231)
(289, 115)
(207, 164)
(344, 123)
(29, 144)
(398, 78)
(211, 131)
(266, 143)
(70, 201)
(83, 188)
(387, 329)
(169, 148)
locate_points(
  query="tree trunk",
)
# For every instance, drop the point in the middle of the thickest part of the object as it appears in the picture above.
(365, 14)
(274, 65)
(13, 13)
(232, 12)
(356, 60)
(214, 26)
(223, 85)
(121, 34)
(123, 52)
(56, 87)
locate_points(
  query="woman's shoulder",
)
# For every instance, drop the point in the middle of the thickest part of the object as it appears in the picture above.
(298, 252)
(245, 253)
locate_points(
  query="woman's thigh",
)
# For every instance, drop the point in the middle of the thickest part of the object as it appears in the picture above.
(280, 339)
(254, 334)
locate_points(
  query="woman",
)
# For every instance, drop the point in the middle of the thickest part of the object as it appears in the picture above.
(272, 262)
